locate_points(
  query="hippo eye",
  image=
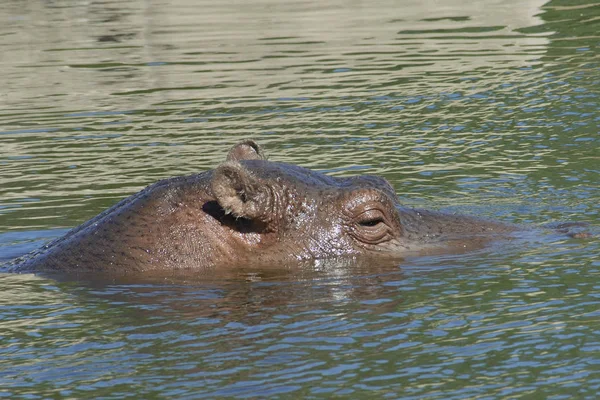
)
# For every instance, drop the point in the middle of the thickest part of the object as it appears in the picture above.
(370, 217)
(371, 226)
(371, 222)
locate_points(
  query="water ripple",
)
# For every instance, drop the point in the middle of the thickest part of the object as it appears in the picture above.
(490, 110)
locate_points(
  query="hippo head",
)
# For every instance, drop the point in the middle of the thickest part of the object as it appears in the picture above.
(251, 212)
(273, 212)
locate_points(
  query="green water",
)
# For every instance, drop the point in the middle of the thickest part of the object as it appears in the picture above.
(490, 108)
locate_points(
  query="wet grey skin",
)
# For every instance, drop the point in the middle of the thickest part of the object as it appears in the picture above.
(251, 212)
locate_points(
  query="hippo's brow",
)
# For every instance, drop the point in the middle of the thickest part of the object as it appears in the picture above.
(372, 181)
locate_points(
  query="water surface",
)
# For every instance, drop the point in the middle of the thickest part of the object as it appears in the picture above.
(489, 109)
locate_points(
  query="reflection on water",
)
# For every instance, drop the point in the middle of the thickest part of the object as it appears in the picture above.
(487, 108)
(474, 327)
(183, 51)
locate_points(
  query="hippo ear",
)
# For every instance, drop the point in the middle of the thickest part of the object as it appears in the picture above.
(246, 150)
(239, 192)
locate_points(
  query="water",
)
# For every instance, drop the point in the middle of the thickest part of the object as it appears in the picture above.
(490, 109)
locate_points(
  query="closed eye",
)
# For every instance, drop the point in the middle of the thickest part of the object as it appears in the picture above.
(371, 222)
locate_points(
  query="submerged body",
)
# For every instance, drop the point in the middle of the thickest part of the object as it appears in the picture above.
(250, 212)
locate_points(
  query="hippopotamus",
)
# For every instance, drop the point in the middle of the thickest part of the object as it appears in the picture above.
(252, 212)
